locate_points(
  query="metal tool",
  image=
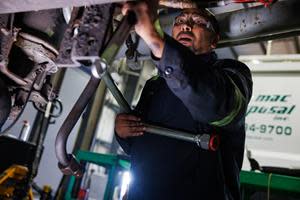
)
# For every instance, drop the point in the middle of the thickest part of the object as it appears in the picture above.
(208, 141)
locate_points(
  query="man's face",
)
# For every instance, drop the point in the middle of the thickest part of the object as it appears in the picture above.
(194, 31)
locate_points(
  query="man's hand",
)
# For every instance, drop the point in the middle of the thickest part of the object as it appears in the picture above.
(145, 26)
(127, 125)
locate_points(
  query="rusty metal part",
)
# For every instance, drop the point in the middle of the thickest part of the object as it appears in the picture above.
(48, 25)
(26, 77)
(8, 36)
(83, 40)
(37, 90)
(43, 54)
(178, 3)
(65, 49)
(35, 81)
(31, 38)
(38, 51)
(33, 87)
(4, 70)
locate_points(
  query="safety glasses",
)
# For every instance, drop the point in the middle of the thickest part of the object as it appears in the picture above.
(193, 20)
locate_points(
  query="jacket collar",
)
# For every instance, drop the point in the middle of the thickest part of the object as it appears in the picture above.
(210, 57)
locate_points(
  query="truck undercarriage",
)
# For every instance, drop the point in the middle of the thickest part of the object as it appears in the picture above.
(38, 38)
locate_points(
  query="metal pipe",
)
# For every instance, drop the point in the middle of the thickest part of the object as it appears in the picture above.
(208, 141)
(170, 133)
(89, 122)
(72, 118)
(125, 107)
(256, 24)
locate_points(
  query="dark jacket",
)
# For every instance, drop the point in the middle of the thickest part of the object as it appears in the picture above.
(195, 93)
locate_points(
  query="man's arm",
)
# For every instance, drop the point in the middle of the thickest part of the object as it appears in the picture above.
(145, 27)
(216, 94)
(128, 125)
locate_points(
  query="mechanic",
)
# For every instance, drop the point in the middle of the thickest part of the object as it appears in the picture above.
(194, 92)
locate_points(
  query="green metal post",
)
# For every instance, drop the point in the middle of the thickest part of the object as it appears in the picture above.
(109, 186)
